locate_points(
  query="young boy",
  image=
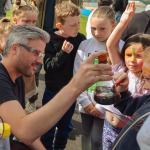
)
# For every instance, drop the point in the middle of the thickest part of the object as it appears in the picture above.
(58, 64)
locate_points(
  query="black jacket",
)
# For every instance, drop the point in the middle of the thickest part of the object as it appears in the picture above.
(58, 64)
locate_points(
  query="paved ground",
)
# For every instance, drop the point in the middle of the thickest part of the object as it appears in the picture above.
(74, 142)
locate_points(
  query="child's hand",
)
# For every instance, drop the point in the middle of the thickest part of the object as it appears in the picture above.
(67, 47)
(88, 108)
(121, 81)
(95, 112)
(128, 13)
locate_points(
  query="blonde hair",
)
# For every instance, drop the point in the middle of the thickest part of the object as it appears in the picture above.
(104, 12)
(22, 7)
(146, 56)
(64, 10)
(5, 27)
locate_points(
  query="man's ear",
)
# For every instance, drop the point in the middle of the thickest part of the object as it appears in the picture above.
(58, 25)
(14, 48)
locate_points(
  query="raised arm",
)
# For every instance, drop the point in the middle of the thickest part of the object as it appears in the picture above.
(27, 128)
(114, 38)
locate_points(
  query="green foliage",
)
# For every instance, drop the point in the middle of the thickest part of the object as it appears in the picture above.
(144, 1)
(83, 21)
(9, 14)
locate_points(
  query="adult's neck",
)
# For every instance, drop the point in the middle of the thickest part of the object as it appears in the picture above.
(10, 67)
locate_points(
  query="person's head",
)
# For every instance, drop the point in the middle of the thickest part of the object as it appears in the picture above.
(132, 51)
(67, 18)
(102, 23)
(105, 3)
(146, 69)
(25, 13)
(25, 47)
(5, 27)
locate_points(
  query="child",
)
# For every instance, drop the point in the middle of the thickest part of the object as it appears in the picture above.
(26, 14)
(5, 28)
(88, 24)
(132, 53)
(58, 64)
(102, 24)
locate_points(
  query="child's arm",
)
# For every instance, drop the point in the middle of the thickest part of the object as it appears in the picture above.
(55, 56)
(114, 38)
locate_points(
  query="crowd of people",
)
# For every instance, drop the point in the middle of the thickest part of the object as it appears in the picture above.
(71, 76)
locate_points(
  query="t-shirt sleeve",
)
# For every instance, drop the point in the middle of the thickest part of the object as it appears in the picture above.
(118, 66)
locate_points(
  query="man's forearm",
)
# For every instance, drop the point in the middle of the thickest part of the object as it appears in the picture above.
(37, 145)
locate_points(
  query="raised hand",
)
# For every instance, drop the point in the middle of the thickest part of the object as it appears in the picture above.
(67, 47)
(128, 13)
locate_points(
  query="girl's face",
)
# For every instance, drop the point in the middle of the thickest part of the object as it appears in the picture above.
(133, 58)
(27, 18)
(101, 28)
(146, 74)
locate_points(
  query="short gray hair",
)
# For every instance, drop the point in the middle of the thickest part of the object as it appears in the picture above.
(22, 34)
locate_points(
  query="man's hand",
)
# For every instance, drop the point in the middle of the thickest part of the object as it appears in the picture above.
(90, 73)
(67, 47)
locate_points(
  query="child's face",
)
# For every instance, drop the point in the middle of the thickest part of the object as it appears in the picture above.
(134, 58)
(2, 42)
(146, 75)
(101, 28)
(71, 26)
(26, 19)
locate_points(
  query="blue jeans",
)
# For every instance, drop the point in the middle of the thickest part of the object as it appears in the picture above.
(64, 126)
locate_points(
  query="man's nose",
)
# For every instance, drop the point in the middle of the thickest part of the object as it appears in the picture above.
(39, 60)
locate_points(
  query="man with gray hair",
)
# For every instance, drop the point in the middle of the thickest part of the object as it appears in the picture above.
(23, 53)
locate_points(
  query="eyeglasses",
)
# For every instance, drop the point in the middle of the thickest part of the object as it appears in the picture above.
(36, 52)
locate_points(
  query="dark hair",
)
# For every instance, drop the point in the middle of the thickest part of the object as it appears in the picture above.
(146, 56)
(105, 2)
(143, 39)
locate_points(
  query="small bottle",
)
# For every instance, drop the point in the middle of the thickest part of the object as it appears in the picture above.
(105, 92)
(5, 131)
